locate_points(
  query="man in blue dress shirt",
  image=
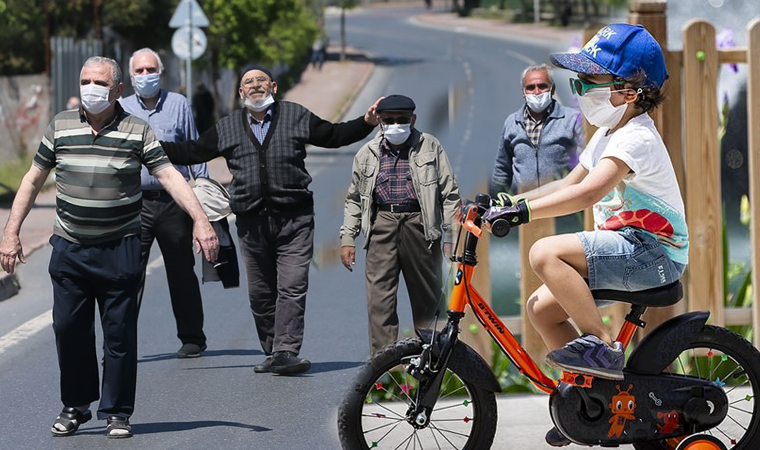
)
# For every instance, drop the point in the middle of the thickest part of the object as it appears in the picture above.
(171, 118)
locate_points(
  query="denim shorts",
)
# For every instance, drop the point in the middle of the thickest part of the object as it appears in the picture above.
(627, 259)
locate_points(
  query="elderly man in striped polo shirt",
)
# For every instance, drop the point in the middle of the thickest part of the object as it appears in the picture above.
(97, 152)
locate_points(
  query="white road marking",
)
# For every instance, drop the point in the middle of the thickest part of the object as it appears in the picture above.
(26, 330)
(44, 320)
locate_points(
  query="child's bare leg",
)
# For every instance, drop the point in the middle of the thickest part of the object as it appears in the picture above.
(560, 262)
(549, 319)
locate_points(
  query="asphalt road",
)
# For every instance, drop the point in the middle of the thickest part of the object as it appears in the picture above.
(464, 86)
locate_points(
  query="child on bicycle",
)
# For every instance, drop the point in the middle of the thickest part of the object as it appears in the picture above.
(640, 239)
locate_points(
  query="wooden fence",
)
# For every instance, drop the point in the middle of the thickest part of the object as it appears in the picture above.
(688, 122)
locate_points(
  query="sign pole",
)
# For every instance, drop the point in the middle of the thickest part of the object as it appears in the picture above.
(189, 61)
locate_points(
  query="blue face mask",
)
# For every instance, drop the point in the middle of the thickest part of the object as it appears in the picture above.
(147, 86)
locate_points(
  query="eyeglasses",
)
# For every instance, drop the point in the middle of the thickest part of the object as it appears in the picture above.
(395, 120)
(540, 86)
(249, 81)
(580, 87)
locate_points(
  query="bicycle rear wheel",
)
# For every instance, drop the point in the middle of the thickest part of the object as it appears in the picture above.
(724, 357)
(375, 412)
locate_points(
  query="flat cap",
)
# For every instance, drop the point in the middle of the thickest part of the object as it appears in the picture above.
(396, 102)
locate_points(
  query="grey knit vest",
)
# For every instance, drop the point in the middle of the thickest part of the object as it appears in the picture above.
(272, 174)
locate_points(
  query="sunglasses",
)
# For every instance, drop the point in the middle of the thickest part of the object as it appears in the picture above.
(396, 120)
(541, 86)
(580, 87)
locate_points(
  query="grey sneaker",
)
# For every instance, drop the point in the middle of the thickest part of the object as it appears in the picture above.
(589, 355)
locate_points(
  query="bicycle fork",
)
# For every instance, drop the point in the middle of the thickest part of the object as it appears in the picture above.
(429, 369)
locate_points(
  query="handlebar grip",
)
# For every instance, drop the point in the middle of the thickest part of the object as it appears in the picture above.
(500, 227)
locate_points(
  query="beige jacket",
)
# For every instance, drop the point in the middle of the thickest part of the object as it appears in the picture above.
(433, 180)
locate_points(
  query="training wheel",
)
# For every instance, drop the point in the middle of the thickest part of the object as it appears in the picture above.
(701, 442)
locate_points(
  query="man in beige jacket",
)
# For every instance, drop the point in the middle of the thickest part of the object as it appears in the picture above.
(404, 197)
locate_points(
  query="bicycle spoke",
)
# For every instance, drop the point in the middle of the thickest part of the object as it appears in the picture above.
(433, 427)
(394, 424)
(401, 416)
(466, 403)
(432, 433)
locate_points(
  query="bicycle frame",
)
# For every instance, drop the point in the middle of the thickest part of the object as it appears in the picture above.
(464, 293)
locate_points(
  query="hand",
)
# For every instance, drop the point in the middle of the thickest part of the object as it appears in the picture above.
(371, 116)
(448, 250)
(348, 257)
(515, 215)
(206, 240)
(10, 249)
(503, 199)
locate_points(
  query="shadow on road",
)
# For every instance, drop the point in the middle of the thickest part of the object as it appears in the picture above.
(206, 354)
(169, 427)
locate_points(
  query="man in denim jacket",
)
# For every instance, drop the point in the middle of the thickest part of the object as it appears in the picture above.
(404, 197)
(539, 142)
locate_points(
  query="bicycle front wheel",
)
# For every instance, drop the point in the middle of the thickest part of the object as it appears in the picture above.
(723, 357)
(375, 414)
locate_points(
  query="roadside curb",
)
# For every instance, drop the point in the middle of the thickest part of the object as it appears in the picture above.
(352, 98)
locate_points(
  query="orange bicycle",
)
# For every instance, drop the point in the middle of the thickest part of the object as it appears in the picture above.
(687, 385)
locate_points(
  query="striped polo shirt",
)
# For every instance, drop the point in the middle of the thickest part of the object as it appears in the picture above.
(97, 176)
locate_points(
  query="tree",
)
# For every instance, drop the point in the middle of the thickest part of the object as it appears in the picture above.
(268, 32)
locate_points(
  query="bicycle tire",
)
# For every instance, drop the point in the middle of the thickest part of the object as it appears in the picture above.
(355, 425)
(745, 355)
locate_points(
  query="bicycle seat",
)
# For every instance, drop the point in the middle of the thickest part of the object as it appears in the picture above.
(666, 295)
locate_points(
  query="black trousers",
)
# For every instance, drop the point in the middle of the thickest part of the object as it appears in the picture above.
(108, 274)
(163, 220)
(277, 248)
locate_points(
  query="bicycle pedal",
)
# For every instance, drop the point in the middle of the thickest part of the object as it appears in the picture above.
(577, 379)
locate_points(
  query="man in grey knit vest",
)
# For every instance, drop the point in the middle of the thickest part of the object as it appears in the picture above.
(264, 146)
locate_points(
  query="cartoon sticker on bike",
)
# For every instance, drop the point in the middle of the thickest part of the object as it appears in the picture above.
(623, 406)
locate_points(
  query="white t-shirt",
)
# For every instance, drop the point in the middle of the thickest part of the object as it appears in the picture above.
(649, 197)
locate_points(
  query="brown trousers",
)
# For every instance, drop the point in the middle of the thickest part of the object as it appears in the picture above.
(397, 245)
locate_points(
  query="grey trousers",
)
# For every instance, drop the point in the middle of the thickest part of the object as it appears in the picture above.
(397, 245)
(277, 248)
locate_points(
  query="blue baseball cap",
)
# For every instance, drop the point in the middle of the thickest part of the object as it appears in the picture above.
(618, 49)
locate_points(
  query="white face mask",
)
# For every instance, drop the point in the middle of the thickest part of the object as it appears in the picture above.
(95, 97)
(397, 133)
(598, 110)
(538, 102)
(147, 86)
(260, 105)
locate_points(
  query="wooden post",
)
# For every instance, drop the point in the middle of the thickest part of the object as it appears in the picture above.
(529, 282)
(753, 147)
(703, 193)
(652, 15)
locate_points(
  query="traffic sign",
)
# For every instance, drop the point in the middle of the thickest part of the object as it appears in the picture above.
(181, 46)
(188, 14)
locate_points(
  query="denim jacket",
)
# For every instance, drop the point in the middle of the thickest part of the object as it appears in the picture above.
(433, 180)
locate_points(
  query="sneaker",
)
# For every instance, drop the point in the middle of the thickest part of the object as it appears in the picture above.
(264, 366)
(589, 355)
(287, 363)
(555, 438)
(190, 350)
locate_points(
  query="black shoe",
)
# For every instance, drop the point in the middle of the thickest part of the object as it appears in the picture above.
(265, 366)
(555, 438)
(287, 363)
(190, 350)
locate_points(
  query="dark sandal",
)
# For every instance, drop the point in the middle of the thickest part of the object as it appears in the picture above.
(71, 419)
(118, 423)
